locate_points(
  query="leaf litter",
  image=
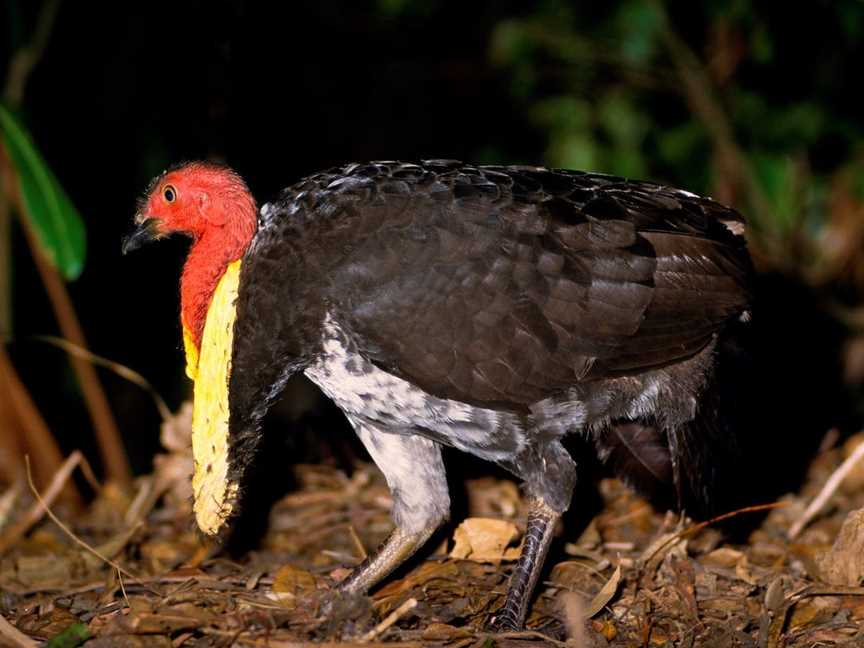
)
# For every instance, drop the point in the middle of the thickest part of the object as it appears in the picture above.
(132, 571)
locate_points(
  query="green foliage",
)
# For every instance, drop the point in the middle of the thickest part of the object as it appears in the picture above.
(776, 175)
(611, 88)
(75, 635)
(638, 25)
(401, 8)
(57, 223)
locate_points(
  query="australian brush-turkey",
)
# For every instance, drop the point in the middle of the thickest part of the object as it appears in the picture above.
(494, 309)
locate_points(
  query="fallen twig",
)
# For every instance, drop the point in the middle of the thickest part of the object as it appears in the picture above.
(827, 491)
(701, 525)
(14, 636)
(72, 536)
(40, 507)
(358, 543)
(778, 623)
(389, 620)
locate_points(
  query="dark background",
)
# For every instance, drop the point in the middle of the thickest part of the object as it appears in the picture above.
(281, 90)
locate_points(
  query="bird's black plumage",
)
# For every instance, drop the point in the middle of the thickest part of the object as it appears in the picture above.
(535, 302)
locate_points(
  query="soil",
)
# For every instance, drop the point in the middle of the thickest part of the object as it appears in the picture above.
(634, 577)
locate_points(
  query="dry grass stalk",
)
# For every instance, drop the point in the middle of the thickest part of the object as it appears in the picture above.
(391, 618)
(827, 491)
(47, 510)
(17, 531)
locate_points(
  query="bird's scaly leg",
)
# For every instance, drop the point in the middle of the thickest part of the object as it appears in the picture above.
(414, 471)
(396, 549)
(538, 537)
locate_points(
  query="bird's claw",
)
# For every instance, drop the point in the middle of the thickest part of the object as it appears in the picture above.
(504, 620)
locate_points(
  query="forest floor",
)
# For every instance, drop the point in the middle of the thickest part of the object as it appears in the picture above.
(635, 577)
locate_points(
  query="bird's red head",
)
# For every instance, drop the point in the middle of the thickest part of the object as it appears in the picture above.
(211, 204)
(200, 199)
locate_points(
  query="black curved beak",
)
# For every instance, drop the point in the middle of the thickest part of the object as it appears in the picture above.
(144, 231)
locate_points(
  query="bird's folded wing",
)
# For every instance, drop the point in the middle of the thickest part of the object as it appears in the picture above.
(505, 287)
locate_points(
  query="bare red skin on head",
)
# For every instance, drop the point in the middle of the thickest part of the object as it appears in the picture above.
(213, 206)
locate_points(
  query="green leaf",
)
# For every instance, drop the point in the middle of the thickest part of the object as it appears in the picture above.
(640, 23)
(776, 175)
(622, 120)
(73, 636)
(680, 145)
(572, 151)
(57, 223)
(563, 113)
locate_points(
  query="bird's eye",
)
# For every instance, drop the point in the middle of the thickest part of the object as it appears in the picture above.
(169, 193)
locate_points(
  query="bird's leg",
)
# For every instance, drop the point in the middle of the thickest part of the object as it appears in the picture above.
(538, 537)
(396, 549)
(550, 475)
(414, 471)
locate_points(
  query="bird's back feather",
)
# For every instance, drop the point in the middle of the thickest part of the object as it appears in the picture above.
(502, 286)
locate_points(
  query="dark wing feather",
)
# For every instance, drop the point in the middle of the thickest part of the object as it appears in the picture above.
(638, 452)
(505, 285)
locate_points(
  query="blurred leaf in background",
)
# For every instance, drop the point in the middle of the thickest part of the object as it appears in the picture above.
(57, 224)
(734, 99)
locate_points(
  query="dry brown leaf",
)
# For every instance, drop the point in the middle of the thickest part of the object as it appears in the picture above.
(843, 564)
(602, 598)
(731, 560)
(815, 610)
(605, 628)
(418, 577)
(444, 632)
(742, 571)
(685, 584)
(484, 540)
(291, 584)
(150, 623)
(130, 641)
(488, 496)
(724, 557)
(176, 433)
(13, 637)
(172, 469)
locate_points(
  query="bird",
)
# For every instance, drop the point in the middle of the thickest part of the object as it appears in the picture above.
(493, 309)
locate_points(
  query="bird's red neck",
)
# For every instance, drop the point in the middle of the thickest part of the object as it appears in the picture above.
(205, 265)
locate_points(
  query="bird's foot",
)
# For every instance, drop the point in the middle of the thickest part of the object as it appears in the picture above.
(504, 620)
(343, 612)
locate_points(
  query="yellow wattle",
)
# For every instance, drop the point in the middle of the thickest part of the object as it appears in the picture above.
(191, 353)
(210, 368)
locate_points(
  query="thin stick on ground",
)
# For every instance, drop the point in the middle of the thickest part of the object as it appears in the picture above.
(827, 491)
(701, 525)
(391, 618)
(40, 507)
(14, 636)
(120, 569)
